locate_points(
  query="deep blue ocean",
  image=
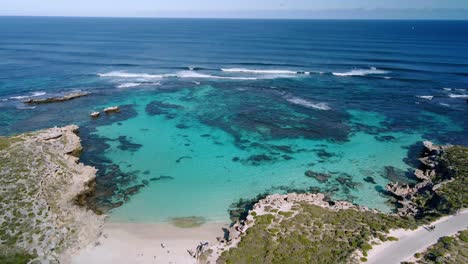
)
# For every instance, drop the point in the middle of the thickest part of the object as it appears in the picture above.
(214, 111)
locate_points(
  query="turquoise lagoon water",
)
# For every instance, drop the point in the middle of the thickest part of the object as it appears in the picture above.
(214, 111)
(208, 181)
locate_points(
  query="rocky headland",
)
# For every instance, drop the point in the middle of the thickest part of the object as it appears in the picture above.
(40, 179)
(308, 228)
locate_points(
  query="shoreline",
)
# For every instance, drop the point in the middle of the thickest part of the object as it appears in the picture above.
(148, 243)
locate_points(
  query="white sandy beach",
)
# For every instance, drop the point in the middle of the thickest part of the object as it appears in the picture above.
(413, 241)
(124, 243)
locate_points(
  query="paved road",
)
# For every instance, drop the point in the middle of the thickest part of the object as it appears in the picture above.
(419, 239)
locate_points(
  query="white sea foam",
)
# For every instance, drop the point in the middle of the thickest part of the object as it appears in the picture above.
(19, 97)
(181, 74)
(360, 72)
(444, 104)
(120, 74)
(387, 77)
(308, 104)
(427, 97)
(25, 107)
(38, 93)
(455, 89)
(128, 85)
(243, 70)
(458, 95)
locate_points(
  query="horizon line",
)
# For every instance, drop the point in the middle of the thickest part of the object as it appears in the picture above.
(236, 18)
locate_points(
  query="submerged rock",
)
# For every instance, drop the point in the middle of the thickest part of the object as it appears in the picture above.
(64, 98)
(160, 178)
(320, 177)
(396, 175)
(369, 179)
(260, 158)
(182, 158)
(188, 222)
(385, 138)
(127, 145)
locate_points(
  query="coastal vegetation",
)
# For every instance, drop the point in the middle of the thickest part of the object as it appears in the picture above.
(312, 234)
(443, 186)
(309, 233)
(39, 219)
(449, 249)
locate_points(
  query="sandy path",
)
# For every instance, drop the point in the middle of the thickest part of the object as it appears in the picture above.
(413, 241)
(141, 243)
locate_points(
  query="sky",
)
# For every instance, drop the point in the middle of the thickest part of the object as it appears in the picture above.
(385, 9)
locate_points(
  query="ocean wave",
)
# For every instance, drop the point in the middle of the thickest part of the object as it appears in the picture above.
(427, 97)
(38, 94)
(34, 94)
(454, 89)
(360, 72)
(458, 95)
(25, 107)
(120, 74)
(244, 70)
(308, 104)
(128, 85)
(181, 74)
(197, 75)
(19, 97)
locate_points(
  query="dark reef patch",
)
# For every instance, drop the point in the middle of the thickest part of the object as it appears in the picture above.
(113, 186)
(160, 108)
(182, 158)
(258, 159)
(320, 177)
(182, 126)
(397, 175)
(127, 145)
(264, 114)
(323, 154)
(369, 179)
(384, 138)
(162, 178)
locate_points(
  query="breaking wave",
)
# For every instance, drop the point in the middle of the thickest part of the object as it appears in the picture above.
(308, 104)
(34, 94)
(120, 74)
(244, 70)
(458, 95)
(360, 72)
(181, 74)
(128, 85)
(427, 97)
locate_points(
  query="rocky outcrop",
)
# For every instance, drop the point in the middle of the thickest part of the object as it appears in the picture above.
(282, 206)
(41, 178)
(64, 98)
(405, 193)
(112, 109)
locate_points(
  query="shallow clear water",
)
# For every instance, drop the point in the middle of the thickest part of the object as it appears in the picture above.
(218, 110)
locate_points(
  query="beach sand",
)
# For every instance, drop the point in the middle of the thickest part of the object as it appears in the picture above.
(141, 243)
